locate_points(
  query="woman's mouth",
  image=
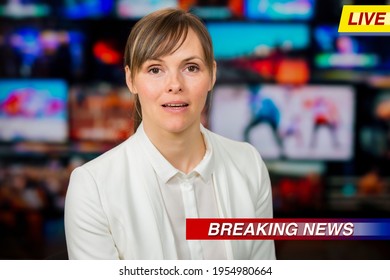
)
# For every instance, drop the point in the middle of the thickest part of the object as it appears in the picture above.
(175, 105)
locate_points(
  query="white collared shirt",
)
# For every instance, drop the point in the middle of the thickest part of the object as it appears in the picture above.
(188, 196)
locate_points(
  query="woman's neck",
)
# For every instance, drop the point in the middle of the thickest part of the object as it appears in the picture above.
(183, 150)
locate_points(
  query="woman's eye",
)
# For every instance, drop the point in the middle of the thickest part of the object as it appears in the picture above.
(154, 70)
(192, 68)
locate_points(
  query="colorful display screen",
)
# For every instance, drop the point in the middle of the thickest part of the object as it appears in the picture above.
(374, 137)
(260, 52)
(33, 110)
(138, 8)
(217, 9)
(347, 52)
(279, 9)
(107, 62)
(305, 122)
(32, 52)
(24, 8)
(100, 112)
(86, 9)
(246, 39)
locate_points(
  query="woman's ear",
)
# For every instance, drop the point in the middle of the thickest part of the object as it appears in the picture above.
(129, 81)
(214, 77)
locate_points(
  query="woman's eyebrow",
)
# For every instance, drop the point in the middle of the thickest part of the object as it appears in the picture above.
(154, 59)
(157, 59)
(193, 57)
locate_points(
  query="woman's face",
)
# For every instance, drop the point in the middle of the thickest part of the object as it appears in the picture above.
(173, 89)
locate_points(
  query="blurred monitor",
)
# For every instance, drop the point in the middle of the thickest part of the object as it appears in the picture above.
(381, 108)
(24, 8)
(297, 193)
(214, 9)
(100, 112)
(33, 52)
(107, 62)
(72, 9)
(249, 39)
(339, 51)
(277, 67)
(260, 52)
(279, 9)
(374, 134)
(311, 122)
(33, 110)
(135, 9)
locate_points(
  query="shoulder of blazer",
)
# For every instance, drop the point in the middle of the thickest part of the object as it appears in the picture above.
(112, 159)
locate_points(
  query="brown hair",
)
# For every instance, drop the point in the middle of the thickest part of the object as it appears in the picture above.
(159, 34)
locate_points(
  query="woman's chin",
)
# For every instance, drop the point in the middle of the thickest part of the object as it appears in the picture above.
(177, 127)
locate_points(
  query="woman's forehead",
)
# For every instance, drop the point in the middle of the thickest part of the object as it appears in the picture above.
(189, 42)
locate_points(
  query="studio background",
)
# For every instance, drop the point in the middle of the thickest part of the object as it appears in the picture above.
(313, 102)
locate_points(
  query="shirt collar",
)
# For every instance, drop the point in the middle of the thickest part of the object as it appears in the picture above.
(165, 170)
(205, 167)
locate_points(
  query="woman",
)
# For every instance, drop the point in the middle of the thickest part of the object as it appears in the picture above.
(132, 202)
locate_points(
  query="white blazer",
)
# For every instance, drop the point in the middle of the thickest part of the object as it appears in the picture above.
(114, 209)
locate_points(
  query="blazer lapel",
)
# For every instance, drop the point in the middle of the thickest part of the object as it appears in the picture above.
(222, 186)
(166, 240)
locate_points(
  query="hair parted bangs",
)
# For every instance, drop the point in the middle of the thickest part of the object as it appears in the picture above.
(166, 40)
(162, 33)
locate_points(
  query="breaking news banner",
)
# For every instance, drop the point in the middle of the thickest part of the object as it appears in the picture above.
(365, 20)
(237, 230)
(288, 229)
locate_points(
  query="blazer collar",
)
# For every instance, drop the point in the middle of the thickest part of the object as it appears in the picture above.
(164, 168)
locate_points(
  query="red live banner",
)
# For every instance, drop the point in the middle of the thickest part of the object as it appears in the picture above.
(297, 229)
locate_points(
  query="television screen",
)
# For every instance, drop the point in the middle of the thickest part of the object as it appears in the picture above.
(32, 52)
(382, 105)
(277, 67)
(260, 52)
(86, 9)
(279, 9)
(374, 133)
(216, 9)
(349, 52)
(33, 110)
(305, 122)
(107, 62)
(24, 8)
(100, 112)
(248, 39)
(138, 8)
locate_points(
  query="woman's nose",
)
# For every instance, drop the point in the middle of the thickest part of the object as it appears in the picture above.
(175, 83)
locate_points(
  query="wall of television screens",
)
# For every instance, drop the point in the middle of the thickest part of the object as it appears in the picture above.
(314, 103)
(287, 81)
